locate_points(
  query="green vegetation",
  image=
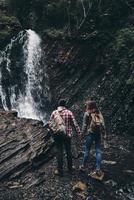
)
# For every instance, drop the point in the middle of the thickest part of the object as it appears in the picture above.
(4, 34)
(124, 47)
(125, 39)
(130, 81)
(74, 16)
(7, 19)
(55, 33)
(9, 26)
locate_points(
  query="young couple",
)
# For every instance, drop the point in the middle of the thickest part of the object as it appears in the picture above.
(90, 130)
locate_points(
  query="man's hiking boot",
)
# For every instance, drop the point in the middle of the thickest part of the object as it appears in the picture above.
(57, 173)
(99, 173)
(70, 170)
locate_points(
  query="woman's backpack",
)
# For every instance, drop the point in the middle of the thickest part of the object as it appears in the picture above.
(97, 123)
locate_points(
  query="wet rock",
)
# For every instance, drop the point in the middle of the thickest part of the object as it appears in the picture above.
(13, 185)
(111, 182)
(127, 192)
(129, 171)
(11, 113)
(24, 144)
(109, 162)
(79, 187)
(80, 190)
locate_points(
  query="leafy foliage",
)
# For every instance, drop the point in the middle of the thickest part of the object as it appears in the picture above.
(73, 15)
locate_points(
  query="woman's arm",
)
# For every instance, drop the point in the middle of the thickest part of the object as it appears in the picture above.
(86, 122)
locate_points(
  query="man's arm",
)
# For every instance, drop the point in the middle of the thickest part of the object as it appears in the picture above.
(51, 117)
(75, 124)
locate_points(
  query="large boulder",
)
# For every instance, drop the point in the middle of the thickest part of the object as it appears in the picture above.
(24, 144)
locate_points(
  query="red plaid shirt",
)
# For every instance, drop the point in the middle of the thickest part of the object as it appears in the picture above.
(69, 120)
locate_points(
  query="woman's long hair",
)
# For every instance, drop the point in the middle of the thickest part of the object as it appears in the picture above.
(92, 105)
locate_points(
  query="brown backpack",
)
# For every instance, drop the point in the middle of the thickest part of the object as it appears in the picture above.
(97, 122)
(57, 124)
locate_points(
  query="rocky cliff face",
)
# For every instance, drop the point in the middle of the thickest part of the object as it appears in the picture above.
(24, 145)
(9, 25)
(78, 71)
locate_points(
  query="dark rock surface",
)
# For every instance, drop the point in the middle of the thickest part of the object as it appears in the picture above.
(9, 25)
(79, 70)
(24, 144)
(25, 147)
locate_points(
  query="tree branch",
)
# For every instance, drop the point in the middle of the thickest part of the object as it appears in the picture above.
(84, 10)
(85, 14)
(129, 5)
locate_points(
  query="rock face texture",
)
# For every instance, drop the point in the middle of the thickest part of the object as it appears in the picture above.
(24, 145)
(93, 62)
(25, 173)
(9, 26)
(78, 71)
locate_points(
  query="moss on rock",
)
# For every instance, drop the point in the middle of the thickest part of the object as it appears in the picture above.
(9, 26)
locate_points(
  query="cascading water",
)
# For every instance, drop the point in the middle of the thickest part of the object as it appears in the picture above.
(21, 89)
(32, 55)
(5, 70)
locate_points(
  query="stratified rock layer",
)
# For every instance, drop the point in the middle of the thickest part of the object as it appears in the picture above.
(24, 144)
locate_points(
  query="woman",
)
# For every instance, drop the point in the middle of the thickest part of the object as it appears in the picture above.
(93, 127)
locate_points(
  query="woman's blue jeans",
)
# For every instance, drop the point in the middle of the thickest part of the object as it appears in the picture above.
(93, 137)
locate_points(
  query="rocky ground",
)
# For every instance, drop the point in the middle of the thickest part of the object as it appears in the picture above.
(40, 183)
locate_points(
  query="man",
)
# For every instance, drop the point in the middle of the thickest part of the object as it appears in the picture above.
(64, 140)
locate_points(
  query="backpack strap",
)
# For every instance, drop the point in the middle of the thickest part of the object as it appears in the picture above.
(58, 113)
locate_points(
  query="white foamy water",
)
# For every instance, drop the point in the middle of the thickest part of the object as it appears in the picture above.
(27, 103)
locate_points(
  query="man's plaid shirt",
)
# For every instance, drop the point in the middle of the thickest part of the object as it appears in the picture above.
(68, 118)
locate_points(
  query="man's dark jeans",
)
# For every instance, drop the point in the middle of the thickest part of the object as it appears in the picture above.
(63, 142)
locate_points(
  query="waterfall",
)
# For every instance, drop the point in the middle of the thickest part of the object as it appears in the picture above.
(32, 55)
(24, 91)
